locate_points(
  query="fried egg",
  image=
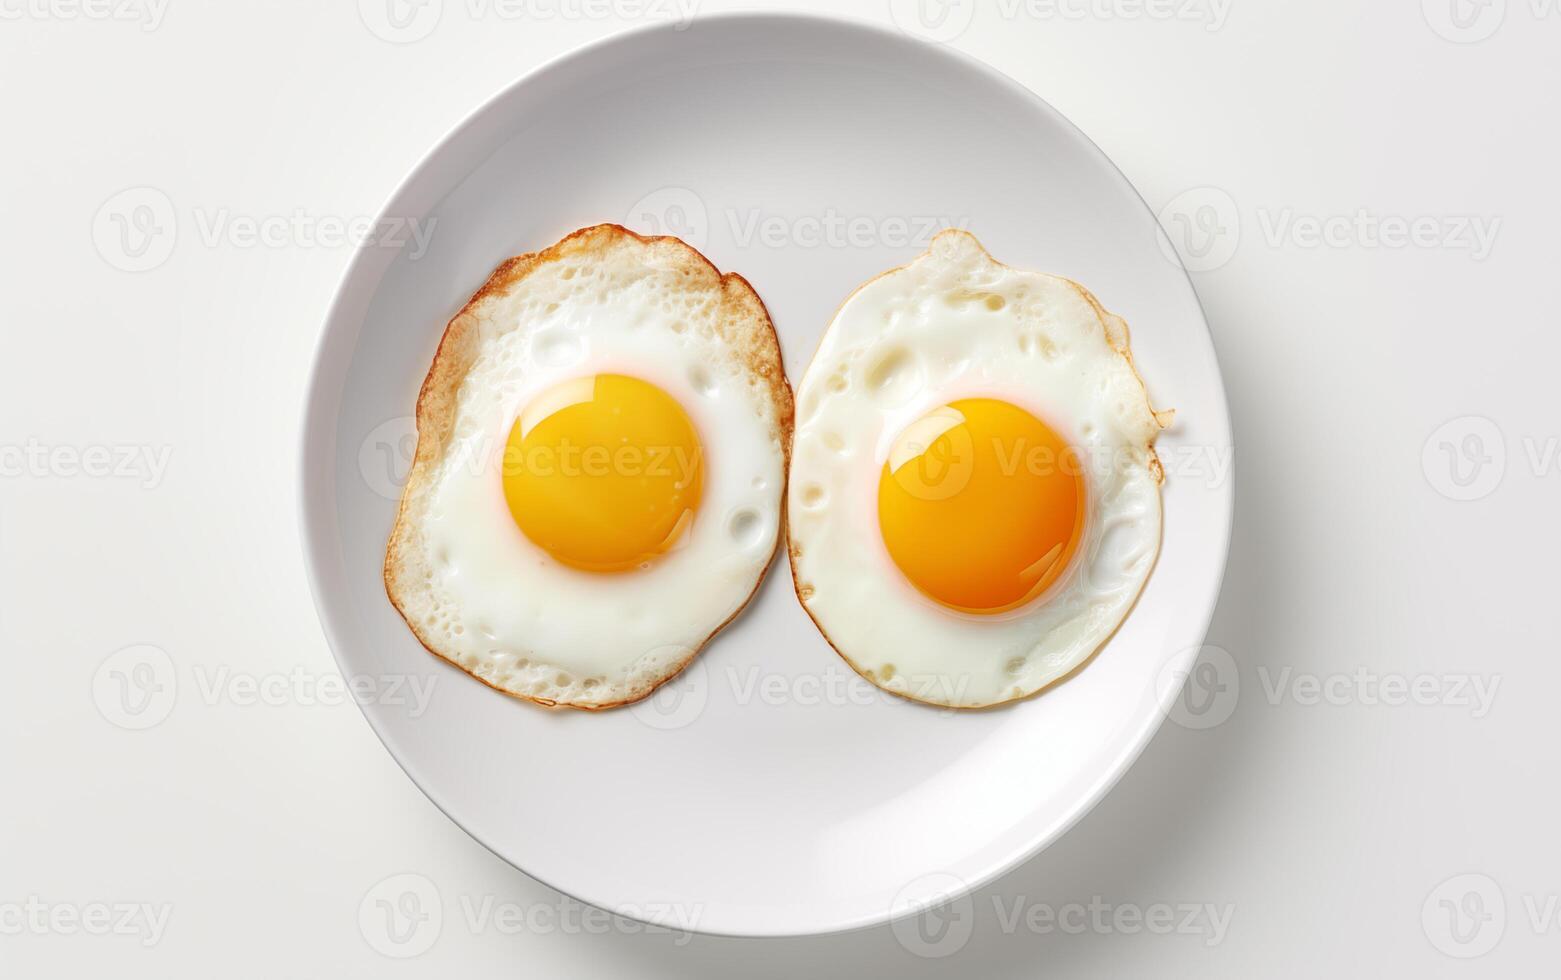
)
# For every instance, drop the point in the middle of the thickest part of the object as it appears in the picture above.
(975, 496)
(601, 456)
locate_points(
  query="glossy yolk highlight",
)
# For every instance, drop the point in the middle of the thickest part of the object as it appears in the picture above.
(981, 505)
(603, 472)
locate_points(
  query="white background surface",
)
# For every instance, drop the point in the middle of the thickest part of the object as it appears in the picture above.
(1329, 826)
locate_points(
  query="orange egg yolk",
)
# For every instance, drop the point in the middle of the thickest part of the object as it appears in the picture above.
(981, 505)
(604, 472)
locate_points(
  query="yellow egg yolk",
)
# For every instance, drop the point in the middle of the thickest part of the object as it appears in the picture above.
(603, 472)
(981, 505)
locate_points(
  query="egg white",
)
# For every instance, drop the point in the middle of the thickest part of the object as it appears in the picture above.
(480, 593)
(956, 324)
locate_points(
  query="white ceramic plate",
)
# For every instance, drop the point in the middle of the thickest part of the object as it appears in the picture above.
(768, 790)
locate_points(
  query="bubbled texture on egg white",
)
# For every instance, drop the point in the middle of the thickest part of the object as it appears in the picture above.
(481, 594)
(956, 324)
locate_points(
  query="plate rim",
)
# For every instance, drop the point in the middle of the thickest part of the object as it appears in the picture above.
(314, 496)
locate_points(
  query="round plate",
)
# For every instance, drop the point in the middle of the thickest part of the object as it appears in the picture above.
(767, 790)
